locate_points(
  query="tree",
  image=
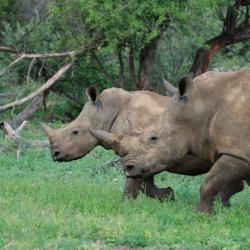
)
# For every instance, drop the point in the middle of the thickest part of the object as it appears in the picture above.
(236, 28)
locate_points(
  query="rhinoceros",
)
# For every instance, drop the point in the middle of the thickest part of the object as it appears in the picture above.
(109, 111)
(208, 118)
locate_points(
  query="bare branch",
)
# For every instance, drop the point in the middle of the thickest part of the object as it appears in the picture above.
(36, 103)
(44, 87)
(10, 132)
(11, 65)
(46, 55)
(40, 55)
(9, 50)
(29, 70)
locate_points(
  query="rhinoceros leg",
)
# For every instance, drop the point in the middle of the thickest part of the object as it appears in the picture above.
(132, 188)
(225, 171)
(134, 185)
(151, 190)
(228, 191)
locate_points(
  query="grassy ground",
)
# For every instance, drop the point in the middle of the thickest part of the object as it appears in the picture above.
(77, 205)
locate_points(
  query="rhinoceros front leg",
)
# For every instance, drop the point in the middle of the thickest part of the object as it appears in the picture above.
(225, 171)
(134, 185)
(151, 190)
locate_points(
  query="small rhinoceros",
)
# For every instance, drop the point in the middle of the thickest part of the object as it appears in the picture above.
(110, 111)
(208, 118)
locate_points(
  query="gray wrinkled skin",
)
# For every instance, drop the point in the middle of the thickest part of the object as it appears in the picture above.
(109, 111)
(209, 118)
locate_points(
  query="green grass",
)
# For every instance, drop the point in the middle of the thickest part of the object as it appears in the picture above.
(77, 205)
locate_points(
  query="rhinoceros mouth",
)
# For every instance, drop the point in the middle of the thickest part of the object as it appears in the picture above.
(67, 159)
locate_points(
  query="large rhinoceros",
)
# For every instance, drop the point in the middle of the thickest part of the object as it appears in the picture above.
(209, 118)
(110, 111)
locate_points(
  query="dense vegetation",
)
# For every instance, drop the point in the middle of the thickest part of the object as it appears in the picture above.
(133, 44)
(129, 44)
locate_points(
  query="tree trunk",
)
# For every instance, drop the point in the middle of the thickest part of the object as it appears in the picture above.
(147, 61)
(232, 33)
(131, 65)
(120, 82)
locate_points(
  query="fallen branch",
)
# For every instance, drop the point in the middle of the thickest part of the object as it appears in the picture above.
(10, 132)
(36, 103)
(53, 79)
(20, 142)
(44, 87)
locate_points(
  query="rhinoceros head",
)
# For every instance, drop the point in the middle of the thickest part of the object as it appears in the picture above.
(158, 146)
(75, 140)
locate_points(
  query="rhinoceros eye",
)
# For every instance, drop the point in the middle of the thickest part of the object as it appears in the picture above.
(153, 138)
(74, 132)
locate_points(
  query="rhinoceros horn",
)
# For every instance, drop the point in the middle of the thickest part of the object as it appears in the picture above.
(171, 89)
(109, 139)
(48, 130)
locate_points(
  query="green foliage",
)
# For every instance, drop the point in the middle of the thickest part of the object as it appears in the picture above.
(7, 10)
(112, 26)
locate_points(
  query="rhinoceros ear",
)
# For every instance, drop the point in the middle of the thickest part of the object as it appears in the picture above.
(185, 85)
(92, 93)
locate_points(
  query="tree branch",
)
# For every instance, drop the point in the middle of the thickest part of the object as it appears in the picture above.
(231, 34)
(46, 55)
(44, 87)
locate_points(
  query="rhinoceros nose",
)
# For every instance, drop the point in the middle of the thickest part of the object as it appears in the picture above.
(129, 167)
(57, 155)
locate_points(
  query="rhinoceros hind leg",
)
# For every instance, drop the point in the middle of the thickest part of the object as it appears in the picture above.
(228, 191)
(225, 171)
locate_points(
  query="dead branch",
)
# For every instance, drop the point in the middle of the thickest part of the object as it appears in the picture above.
(44, 87)
(36, 103)
(11, 65)
(10, 132)
(46, 55)
(29, 70)
(41, 55)
(9, 50)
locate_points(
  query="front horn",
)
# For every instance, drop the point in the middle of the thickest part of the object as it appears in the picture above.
(47, 129)
(108, 139)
